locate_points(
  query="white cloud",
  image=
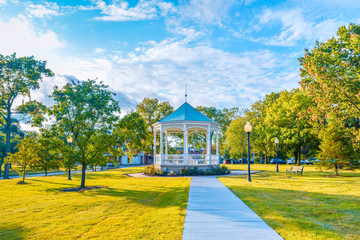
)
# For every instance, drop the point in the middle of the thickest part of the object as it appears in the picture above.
(295, 26)
(43, 11)
(2, 2)
(22, 37)
(206, 11)
(99, 50)
(120, 11)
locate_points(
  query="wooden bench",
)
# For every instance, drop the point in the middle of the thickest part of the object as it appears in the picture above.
(295, 169)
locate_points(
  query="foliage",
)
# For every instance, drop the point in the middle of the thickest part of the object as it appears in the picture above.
(46, 146)
(18, 76)
(330, 72)
(25, 157)
(236, 138)
(336, 149)
(261, 136)
(85, 111)
(223, 117)
(152, 110)
(286, 119)
(133, 132)
(190, 171)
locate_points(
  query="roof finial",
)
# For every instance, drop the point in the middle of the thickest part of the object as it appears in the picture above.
(185, 92)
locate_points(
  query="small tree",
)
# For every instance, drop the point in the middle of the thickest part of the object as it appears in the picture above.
(25, 157)
(336, 148)
(46, 147)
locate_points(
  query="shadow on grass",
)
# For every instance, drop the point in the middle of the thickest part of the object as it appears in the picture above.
(11, 231)
(323, 215)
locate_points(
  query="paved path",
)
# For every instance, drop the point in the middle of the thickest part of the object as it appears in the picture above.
(214, 212)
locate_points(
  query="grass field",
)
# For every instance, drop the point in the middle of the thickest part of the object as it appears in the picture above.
(128, 208)
(315, 206)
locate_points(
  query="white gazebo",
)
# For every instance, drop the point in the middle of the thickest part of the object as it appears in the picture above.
(186, 120)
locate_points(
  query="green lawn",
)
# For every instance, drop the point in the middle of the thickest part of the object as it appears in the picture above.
(314, 206)
(129, 208)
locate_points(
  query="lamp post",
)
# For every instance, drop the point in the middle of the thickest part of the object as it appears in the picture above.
(277, 158)
(69, 140)
(248, 129)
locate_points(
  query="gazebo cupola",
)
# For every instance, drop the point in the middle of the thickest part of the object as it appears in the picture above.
(186, 120)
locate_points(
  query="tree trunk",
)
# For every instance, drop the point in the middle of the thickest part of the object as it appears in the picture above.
(1, 163)
(336, 169)
(45, 171)
(296, 158)
(8, 133)
(24, 172)
(83, 176)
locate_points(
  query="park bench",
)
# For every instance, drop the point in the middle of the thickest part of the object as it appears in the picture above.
(295, 169)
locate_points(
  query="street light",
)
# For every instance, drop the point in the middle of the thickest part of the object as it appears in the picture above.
(69, 140)
(248, 129)
(277, 159)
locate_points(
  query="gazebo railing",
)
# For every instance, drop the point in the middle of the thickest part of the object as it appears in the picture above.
(198, 159)
(192, 159)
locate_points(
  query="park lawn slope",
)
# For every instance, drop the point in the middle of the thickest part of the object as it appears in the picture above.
(128, 208)
(315, 206)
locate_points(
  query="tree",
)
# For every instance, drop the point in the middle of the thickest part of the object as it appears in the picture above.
(46, 147)
(236, 138)
(286, 120)
(262, 136)
(18, 76)
(25, 157)
(86, 111)
(133, 132)
(152, 110)
(330, 72)
(336, 148)
(223, 117)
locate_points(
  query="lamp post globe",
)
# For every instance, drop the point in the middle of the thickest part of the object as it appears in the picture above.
(248, 129)
(277, 157)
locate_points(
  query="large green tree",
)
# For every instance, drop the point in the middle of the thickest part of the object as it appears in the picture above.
(262, 140)
(286, 120)
(133, 132)
(236, 138)
(18, 76)
(86, 111)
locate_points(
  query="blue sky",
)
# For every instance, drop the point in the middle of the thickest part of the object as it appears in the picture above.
(229, 53)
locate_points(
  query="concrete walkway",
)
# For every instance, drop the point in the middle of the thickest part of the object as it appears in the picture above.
(214, 212)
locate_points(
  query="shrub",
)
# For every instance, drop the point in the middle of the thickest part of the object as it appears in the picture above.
(151, 170)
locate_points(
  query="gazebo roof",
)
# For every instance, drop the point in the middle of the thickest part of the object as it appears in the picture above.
(186, 113)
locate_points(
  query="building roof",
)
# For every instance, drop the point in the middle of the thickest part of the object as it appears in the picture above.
(186, 113)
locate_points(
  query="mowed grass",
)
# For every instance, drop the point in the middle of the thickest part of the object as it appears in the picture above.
(315, 206)
(128, 208)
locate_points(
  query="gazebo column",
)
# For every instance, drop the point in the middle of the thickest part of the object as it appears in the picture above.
(166, 144)
(155, 146)
(161, 145)
(185, 152)
(208, 144)
(217, 146)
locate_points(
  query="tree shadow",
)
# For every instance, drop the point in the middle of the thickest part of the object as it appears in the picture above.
(14, 231)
